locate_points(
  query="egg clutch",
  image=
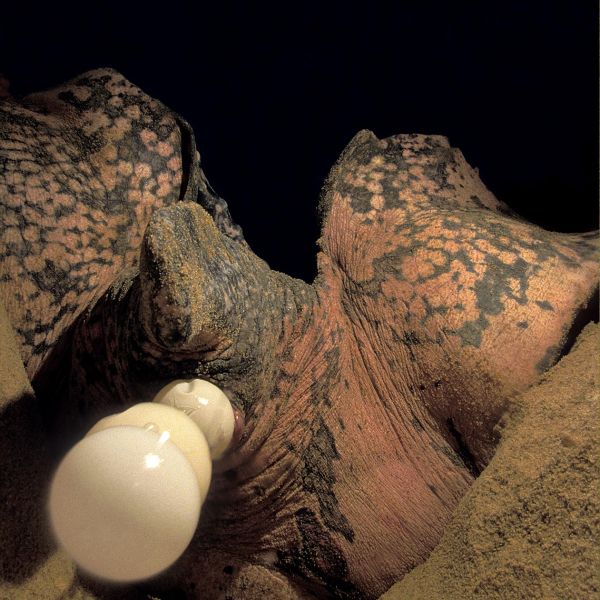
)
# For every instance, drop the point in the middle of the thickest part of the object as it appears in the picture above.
(125, 501)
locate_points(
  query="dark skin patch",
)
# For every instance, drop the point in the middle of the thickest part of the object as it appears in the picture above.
(318, 477)
(470, 332)
(318, 559)
(417, 424)
(434, 490)
(549, 358)
(544, 305)
(450, 454)
(462, 449)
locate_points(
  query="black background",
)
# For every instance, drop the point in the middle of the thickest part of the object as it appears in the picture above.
(275, 91)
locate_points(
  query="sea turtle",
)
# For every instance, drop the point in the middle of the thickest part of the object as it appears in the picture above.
(370, 397)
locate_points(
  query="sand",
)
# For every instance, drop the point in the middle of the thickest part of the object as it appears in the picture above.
(528, 528)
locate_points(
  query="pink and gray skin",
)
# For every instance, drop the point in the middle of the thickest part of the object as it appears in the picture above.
(370, 398)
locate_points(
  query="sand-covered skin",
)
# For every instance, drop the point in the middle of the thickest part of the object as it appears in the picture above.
(529, 527)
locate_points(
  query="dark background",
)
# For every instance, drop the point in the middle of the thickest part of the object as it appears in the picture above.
(274, 93)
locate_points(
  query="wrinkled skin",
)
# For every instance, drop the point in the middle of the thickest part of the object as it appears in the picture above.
(370, 398)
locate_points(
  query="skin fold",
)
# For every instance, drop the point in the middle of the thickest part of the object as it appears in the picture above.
(370, 397)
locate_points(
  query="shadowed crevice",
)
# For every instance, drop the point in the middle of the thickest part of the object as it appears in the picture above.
(461, 448)
(588, 313)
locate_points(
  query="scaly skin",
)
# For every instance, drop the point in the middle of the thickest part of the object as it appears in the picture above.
(370, 397)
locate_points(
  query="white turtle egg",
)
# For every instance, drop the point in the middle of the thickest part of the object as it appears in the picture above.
(125, 501)
(207, 406)
(180, 429)
(123, 504)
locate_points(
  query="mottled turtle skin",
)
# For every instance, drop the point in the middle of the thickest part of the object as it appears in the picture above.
(371, 398)
(82, 168)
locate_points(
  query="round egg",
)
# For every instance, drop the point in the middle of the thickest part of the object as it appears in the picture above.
(125, 503)
(207, 406)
